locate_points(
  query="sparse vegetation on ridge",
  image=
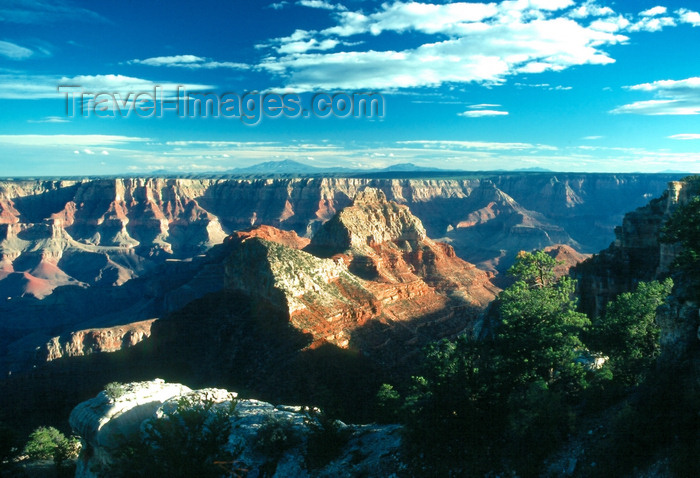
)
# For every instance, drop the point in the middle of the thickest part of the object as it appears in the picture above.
(188, 440)
(506, 403)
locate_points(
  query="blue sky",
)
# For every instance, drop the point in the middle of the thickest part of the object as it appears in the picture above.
(565, 85)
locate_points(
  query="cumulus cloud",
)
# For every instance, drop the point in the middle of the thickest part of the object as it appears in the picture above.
(653, 12)
(471, 42)
(689, 16)
(590, 8)
(188, 61)
(482, 145)
(321, 4)
(673, 97)
(652, 24)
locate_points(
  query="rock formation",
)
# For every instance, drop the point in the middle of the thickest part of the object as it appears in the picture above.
(106, 231)
(638, 254)
(382, 266)
(566, 256)
(85, 342)
(368, 450)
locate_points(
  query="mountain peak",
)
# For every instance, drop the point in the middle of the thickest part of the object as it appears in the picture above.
(371, 220)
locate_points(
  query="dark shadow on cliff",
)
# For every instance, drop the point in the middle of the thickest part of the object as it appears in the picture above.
(224, 339)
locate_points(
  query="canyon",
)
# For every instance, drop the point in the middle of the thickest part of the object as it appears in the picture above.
(296, 290)
(99, 253)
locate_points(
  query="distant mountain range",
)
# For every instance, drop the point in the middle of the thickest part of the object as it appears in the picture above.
(289, 166)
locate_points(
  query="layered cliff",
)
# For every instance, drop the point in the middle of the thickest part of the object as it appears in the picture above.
(106, 231)
(85, 342)
(636, 254)
(371, 261)
(99, 253)
(639, 254)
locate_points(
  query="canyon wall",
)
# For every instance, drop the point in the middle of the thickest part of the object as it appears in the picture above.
(101, 253)
(639, 254)
(106, 231)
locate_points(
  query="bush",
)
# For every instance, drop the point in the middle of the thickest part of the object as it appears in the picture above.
(189, 440)
(43, 442)
(628, 332)
(114, 390)
(388, 404)
(67, 449)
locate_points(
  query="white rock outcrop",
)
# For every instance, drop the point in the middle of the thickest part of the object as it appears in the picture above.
(369, 450)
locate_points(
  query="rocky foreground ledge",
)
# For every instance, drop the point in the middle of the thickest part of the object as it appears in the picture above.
(130, 409)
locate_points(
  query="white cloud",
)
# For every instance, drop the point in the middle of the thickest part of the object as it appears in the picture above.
(188, 61)
(484, 145)
(304, 46)
(14, 86)
(448, 18)
(278, 5)
(590, 9)
(74, 140)
(685, 136)
(653, 12)
(652, 24)
(550, 4)
(610, 24)
(674, 97)
(480, 113)
(689, 16)
(13, 51)
(50, 119)
(321, 4)
(474, 42)
(658, 108)
(46, 11)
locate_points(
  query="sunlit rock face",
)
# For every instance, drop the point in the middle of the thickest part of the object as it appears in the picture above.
(101, 422)
(371, 262)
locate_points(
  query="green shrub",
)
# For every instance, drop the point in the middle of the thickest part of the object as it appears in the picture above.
(43, 442)
(189, 440)
(628, 332)
(388, 404)
(67, 449)
(114, 390)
